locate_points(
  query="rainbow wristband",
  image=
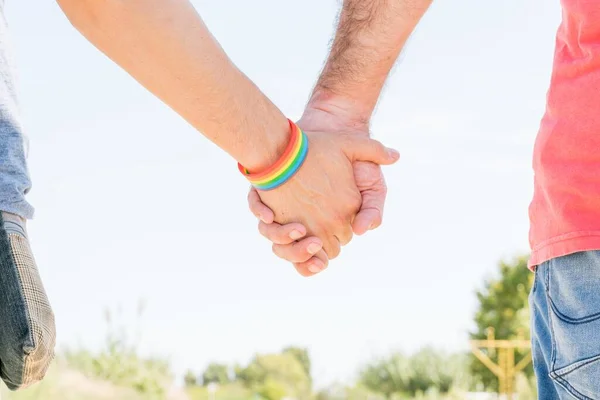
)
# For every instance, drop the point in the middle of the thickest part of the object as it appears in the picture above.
(289, 163)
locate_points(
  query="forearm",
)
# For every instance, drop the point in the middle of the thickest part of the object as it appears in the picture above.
(165, 46)
(369, 38)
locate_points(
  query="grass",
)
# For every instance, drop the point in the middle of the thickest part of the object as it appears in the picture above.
(62, 383)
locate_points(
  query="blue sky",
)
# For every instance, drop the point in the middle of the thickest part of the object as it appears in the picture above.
(127, 210)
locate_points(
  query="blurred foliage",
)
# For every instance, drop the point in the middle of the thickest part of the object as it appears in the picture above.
(231, 391)
(526, 387)
(190, 379)
(275, 376)
(215, 373)
(341, 392)
(503, 305)
(65, 384)
(301, 354)
(424, 372)
(272, 389)
(119, 372)
(119, 362)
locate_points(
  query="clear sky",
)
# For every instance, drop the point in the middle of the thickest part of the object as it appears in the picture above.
(132, 203)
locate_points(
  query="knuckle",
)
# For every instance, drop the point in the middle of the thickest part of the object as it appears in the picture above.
(275, 234)
(300, 252)
(354, 202)
(333, 251)
(276, 249)
(376, 144)
(338, 221)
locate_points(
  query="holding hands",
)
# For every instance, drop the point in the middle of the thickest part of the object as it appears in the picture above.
(339, 191)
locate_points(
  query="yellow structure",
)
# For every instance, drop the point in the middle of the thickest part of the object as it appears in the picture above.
(505, 368)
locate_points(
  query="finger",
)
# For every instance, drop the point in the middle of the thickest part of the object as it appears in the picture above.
(344, 237)
(316, 264)
(370, 214)
(366, 149)
(332, 247)
(365, 221)
(300, 251)
(258, 208)
(282, 234)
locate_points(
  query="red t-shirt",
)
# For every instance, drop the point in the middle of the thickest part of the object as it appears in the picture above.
(565, 211)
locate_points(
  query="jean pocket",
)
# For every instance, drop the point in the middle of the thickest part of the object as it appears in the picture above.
(573, 285)
(580, 378)
(573, 292)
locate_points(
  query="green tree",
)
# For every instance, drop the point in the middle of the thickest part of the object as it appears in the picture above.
(301, 354)
(503, 306)
(388, 376)
(272, 389)
(251, 375)
(190, 379)
(430, 369)
(427, 371)
(217, 373)
(276, 374)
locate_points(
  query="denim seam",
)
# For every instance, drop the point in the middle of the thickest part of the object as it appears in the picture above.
(559, 379)
(534, 342)
(550, 321)
(569, 320)
(576, 365)
(533, 314)
(567, 386)
(558, 313)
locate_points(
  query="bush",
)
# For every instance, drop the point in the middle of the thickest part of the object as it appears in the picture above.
(119, 363)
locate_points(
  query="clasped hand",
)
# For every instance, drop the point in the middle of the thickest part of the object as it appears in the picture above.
(339, 191)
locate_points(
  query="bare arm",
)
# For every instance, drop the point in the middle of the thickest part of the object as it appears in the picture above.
(165, 46)
(369, 38)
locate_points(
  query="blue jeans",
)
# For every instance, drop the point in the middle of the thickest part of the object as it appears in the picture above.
(565, 327)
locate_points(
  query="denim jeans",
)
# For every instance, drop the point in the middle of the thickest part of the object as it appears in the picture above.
(565, 324)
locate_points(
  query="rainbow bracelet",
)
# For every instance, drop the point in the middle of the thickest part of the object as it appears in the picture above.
(289, 163)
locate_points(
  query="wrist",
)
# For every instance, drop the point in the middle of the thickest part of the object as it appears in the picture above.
(267, 145)
(342, 111)
(286, 166)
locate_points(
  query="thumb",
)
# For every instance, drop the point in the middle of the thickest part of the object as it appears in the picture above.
(371, 211)
(367, 149)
